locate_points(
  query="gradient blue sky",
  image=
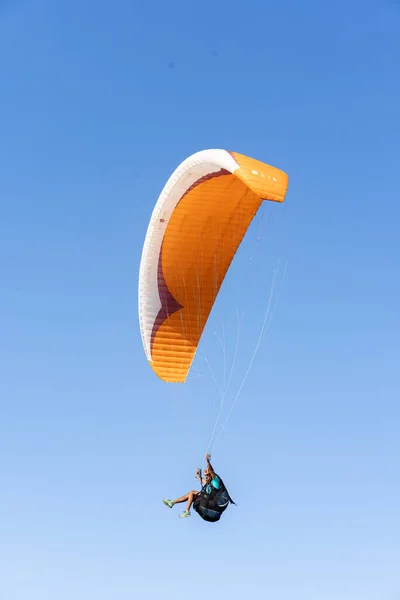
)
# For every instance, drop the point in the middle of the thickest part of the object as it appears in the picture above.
(100, 102)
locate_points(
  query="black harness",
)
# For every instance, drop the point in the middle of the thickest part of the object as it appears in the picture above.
(211, 504)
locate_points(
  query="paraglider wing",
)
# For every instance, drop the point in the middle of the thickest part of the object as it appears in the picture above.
(195, 230)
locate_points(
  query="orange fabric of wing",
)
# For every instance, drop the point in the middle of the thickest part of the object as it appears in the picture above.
(200, 241)
(266, 181)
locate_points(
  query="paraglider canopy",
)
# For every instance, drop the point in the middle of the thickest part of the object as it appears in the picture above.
(194, 232)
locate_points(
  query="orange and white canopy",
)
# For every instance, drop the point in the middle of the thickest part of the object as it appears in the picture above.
(194, 232)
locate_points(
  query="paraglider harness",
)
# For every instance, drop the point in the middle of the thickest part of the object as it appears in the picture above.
(210, 506)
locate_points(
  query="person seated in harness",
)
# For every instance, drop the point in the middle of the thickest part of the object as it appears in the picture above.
(211, 501)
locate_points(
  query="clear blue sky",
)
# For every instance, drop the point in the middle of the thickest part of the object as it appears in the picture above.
(99, 103)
